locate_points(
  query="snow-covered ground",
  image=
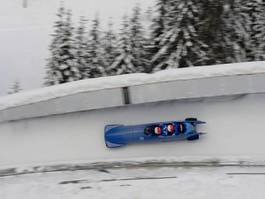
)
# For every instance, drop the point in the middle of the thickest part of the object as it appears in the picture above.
(139, 182)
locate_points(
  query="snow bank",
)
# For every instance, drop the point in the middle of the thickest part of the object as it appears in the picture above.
(148, 183)
(57, 91)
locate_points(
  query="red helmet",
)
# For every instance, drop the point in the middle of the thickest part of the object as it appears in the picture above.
(158, 130)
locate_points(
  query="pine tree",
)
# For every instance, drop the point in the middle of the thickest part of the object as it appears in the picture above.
(223, 29)
(138, 41)
(211, 32)
(253, 17)
(53, 74)
(71, 72)
(181, 45)
(158, 28)
(123, 63)
(81, 44)
(260, 27)
(149, 14)
(236, 32)
(239, 34)
(109, 46)
(62, 65)
(95, 67)
(15, 88)
(260, 36)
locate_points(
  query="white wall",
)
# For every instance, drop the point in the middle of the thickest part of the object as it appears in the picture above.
(235, 127)
(48, 102)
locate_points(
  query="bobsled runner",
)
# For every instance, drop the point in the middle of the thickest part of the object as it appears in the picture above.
(118, 135)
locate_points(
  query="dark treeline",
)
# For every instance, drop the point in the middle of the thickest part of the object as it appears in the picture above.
(182, 34)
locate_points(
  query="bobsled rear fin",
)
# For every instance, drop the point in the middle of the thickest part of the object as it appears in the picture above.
(200, 122)
(201, 133)
(193, 137)
(196, 122)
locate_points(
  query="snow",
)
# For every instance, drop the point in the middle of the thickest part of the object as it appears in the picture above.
(150, 182)
(25, 33)
(130, 80)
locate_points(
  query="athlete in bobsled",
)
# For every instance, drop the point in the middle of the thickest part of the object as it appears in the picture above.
(119, 135)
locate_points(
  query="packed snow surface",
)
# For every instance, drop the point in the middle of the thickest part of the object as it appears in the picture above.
(130, 80)
(150, 182)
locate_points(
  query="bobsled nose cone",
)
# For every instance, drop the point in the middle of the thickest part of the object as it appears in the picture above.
(112, 141)
(113, 136)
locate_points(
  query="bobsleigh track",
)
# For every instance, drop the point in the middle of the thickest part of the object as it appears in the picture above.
(65, 124)
(52, 139)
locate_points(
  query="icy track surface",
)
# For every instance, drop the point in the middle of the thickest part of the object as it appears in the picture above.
(151, 182)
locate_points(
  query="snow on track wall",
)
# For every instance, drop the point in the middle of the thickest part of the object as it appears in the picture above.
(234, 114)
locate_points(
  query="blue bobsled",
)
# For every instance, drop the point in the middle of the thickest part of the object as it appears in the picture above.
(119, 135)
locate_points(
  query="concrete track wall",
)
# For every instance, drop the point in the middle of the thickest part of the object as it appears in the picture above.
(138, 94)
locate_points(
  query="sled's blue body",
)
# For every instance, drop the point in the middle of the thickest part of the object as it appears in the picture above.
(120, 135)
